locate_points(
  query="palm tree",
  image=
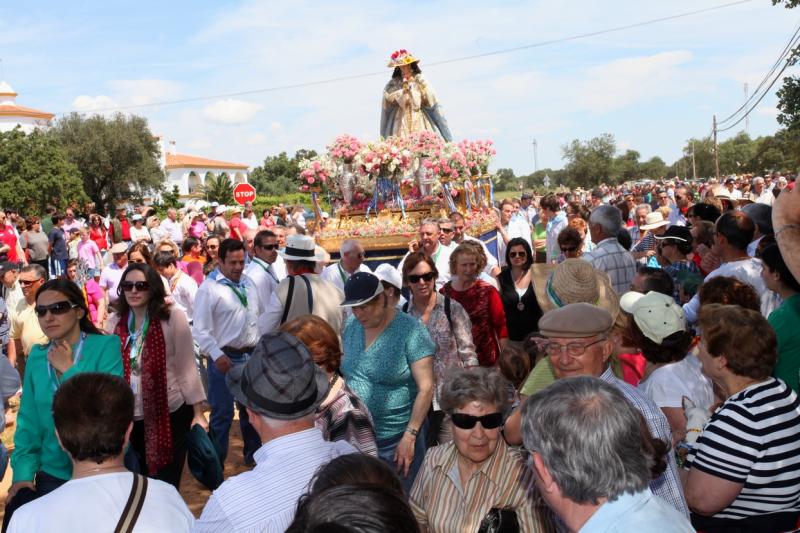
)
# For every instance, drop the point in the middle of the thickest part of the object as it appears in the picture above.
(217, 189)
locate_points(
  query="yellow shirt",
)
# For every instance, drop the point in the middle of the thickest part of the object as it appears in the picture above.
(25, 327)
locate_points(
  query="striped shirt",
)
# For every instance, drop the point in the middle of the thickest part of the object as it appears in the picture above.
(441, 503)
(611, 258)
(754, 439)
(347, 418)
(265, 498)
(667, 485)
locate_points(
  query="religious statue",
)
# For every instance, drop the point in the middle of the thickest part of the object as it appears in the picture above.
(409, 104)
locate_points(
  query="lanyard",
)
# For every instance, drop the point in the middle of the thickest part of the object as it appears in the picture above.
(438, 252)
(240, 292)
(174, 282)
(76, 357)
(266, 268)
(342, 273)
(136, 338)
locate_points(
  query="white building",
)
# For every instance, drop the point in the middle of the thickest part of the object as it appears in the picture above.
(189, 172)
(12, 114)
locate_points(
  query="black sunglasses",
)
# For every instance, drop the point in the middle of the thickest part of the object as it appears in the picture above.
(140, 286)
(568, 250)
(447, 230)
(465, 421)
(26, 282)
(414, 278)
(268, 247)
(58, 308)
(517, 254)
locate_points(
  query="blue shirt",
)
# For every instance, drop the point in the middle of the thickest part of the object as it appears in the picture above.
(641, 512)
(265, 498)
(381, 374)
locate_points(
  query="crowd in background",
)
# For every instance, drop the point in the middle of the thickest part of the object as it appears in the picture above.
(619, 358)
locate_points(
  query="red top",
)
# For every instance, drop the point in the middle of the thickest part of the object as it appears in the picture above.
(126, 229)
(98, 235)
(485, 309)
(236, 222)
(7, 236)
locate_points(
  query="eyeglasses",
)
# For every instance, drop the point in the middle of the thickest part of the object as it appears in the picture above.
(512, 255)
(58, 308)
(414, 278)
(567, 250)
(26, 282)
(268, 247)
(465, 421)
(140, 286)
(447, 230)
(573, 349)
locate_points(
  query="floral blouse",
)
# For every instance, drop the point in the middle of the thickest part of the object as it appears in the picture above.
(454, 347)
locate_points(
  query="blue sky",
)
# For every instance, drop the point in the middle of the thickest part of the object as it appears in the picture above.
(652, 87)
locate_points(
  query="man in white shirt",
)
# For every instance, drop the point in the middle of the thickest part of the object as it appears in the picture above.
(261, 269)
(281, 388)
(760, 194)
(95, 498)
(351, 255)
(735, 231)
(172, 226)
(182, 287)
(226, 326)
(509, 228)
(735, 193)
(428, 243)
(249, 217)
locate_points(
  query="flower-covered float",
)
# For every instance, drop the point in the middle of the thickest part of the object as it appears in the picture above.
(380, 191)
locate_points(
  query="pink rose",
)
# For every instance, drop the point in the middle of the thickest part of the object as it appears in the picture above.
(310, 180)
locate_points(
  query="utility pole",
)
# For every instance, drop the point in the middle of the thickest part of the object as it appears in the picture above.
(694, 167)
(747, 116)
(535, 156)
(716, 154)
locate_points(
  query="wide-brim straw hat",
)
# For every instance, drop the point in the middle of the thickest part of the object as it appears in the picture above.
(576, 280)
(654, 220)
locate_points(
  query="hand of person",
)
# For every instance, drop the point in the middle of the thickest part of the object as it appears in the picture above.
(14, 488)
(60, 356)
(710, 262)
(404, 453)
(650, 253)
(413, 246)
(201, 420)
(223, 364)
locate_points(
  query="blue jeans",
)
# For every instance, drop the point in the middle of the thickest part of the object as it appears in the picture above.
(221, 400)
(386, 448)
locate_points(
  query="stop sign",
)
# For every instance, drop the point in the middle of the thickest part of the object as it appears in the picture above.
(244, 192)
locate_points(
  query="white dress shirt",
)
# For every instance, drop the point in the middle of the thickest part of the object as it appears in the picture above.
(279, 267)
(441, 258)
(221, 320)
(338, 276)
(183, 289)
(516, 227)
(263, 277)
(173, 229)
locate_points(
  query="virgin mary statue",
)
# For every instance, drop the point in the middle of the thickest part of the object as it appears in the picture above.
(409, 104)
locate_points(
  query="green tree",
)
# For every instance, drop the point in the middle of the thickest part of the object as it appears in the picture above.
(589, 162)
(217, 189)
(703, 150)
(171, 198)
(278, 174)
(35, 173)
(789, 93)
(505, 180)
(117, 157)
(626, 166)
(735, 154)
(653, 168)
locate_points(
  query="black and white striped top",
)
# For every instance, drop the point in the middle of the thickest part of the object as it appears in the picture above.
(754, 439)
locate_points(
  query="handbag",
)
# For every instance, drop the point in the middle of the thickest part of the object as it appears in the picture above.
(499, 521)
(130, 514)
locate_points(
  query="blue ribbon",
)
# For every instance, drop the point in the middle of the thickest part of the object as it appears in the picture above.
(448, 197)
(491, 192)
(467, 194)
(481, 195)
(399, 198)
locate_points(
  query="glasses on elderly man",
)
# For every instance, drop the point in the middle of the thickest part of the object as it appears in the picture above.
(573, 349)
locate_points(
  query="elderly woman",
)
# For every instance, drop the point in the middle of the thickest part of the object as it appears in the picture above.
(461, 481)
(743, 472)
(341, 415)
(388, 361)
(481, 300)
(449, 327)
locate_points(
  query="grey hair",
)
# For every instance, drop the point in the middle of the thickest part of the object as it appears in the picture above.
(444, 220)
(607, 217)
(430, 222)
(647, 207)
(348, 246)
(589, 437)
(464, 385)
(37, 269)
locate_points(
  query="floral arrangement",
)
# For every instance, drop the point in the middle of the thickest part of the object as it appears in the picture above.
(448, 164)
(478, 155)
(315, 173)
(425, 144)
(389, 157)
(344, 149)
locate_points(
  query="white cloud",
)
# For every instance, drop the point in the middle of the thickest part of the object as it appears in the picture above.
(90, 104)
(231, 111)
(145, 91)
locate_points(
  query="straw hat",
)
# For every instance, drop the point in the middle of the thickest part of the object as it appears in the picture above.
(654, 220)
(576, 280)
(401, 57)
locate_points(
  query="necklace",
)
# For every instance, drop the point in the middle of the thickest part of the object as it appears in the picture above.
(109, 468)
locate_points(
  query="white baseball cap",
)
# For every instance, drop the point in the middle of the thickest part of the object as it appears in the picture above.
(656, 314)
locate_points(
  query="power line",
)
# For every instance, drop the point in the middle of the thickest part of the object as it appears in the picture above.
(433, 64)
(783, 55)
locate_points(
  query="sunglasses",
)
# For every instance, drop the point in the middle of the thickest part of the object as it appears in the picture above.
(414, 278)
(26, 282)
(517, 254)
(568, 250)
(268, 247)
(140, 286)
(447, 230)
(58, 308)
(465, 421)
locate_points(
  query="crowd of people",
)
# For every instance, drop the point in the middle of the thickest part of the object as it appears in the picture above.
(460, 390)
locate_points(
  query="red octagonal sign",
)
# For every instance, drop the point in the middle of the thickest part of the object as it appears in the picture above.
(244, 192)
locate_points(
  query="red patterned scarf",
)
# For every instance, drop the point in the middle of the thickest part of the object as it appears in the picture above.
(153, 364)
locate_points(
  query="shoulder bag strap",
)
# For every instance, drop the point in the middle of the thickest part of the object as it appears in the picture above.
(130, 514)
(449, 316)
(288, 303)
(309, 295)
